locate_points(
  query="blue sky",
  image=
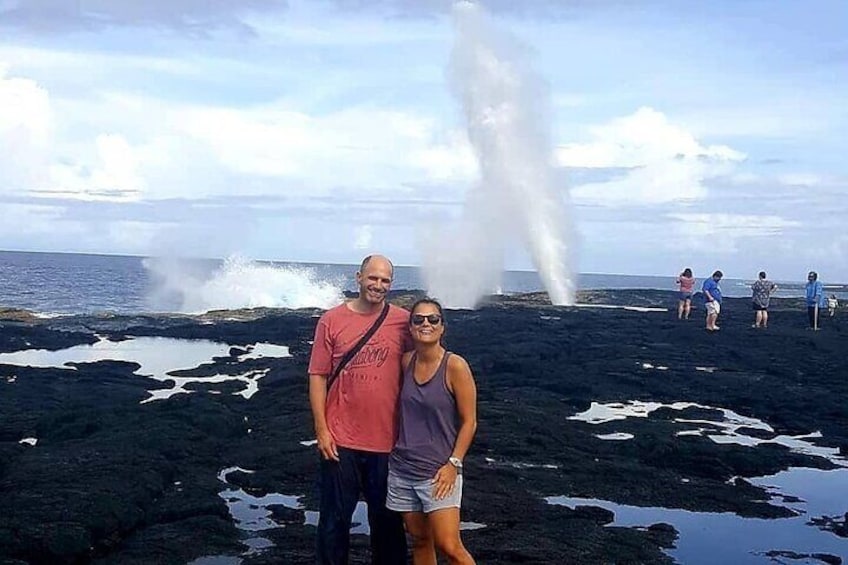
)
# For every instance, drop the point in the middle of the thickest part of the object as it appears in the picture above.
(709, 135)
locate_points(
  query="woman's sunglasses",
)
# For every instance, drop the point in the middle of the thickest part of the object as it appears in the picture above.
(418, 319)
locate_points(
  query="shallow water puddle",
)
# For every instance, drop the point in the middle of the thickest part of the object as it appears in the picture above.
(251, 515)
(616, 436)
(710, 537)
(617, 307)
(519, 464)
(158, 358)
(725, 430)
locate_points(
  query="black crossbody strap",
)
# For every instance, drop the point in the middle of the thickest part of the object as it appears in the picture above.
(359, 345)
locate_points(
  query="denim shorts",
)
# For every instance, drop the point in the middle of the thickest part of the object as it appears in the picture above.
(413, 495)
(685, 295)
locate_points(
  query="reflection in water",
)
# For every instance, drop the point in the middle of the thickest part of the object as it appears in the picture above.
(158, 358)
(251, 515)
(708, 537)
(723, 430)
(617, 436)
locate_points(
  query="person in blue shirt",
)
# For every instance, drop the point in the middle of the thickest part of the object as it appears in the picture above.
(814, 297)
(712, 300)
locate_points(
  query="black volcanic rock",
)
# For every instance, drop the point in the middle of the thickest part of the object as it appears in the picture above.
(112, 480)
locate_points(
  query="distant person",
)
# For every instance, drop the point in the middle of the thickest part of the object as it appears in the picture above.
(354, 387)
(686, 282)
(761, 294)
(712, 300)
(438, 419)
(832, 304)
(814, 297)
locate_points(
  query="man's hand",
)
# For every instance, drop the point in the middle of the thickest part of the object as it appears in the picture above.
(327, 445)
(444, 481)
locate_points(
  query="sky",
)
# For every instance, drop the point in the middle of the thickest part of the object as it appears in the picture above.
(702, 134)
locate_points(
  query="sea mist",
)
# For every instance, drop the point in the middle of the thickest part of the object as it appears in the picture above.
(506, 109)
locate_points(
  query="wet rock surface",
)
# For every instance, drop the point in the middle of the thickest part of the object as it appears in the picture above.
(112, 480)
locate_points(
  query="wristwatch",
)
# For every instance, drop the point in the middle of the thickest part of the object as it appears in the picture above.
(456, 462)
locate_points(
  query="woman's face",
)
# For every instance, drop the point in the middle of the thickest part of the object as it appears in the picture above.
(426, 324)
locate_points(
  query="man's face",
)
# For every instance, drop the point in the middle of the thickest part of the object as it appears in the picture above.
(375, 280)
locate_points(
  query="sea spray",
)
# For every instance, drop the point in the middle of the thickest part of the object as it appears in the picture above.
(507, 116)
(195, 286)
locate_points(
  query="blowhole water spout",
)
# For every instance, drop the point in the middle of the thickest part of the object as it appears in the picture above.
(517, 198)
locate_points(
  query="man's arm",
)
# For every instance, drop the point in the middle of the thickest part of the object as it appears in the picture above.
(318, 403)
(320, 367)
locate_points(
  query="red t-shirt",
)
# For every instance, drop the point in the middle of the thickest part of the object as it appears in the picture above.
(361, 406)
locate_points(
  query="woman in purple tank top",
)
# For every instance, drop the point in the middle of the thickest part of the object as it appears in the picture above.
(438, 418)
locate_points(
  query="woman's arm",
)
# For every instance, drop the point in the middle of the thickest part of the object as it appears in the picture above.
(460, 383)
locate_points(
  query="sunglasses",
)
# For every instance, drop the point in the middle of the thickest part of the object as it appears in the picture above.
(418, 319)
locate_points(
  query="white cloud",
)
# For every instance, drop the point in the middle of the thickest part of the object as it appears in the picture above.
(189, 15)
(800, 179)
(111, 175)
(376, 150)
(363, 237)
(667, 163)
(25, 126)
(184, 150)
(723, 230)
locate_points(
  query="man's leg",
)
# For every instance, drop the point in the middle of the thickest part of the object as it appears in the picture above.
(339, 494)
(388, 539)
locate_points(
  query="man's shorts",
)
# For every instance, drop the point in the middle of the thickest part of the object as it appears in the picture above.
(759, 307)
(713, 307)
(412, 495)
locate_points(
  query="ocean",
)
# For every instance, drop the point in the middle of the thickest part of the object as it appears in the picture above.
(69, 283)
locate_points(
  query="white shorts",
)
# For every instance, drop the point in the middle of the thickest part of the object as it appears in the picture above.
(713, 308)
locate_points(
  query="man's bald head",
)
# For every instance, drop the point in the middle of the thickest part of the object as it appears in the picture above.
(374, 279)
(367, 261)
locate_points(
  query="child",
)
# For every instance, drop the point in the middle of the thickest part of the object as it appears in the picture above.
(832, 303)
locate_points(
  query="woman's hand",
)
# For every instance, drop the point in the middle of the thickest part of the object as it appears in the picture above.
(444, 481)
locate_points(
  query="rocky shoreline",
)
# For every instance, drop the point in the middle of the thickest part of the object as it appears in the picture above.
(111, 480)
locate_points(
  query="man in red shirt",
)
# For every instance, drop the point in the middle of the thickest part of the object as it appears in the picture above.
(356, 418)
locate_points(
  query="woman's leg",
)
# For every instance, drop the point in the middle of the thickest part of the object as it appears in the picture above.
(680, 307)
(765, 319)
(444, 524)
(687, 308)
(418, 528)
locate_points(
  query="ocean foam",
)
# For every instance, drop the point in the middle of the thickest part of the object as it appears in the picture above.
(238, 283)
